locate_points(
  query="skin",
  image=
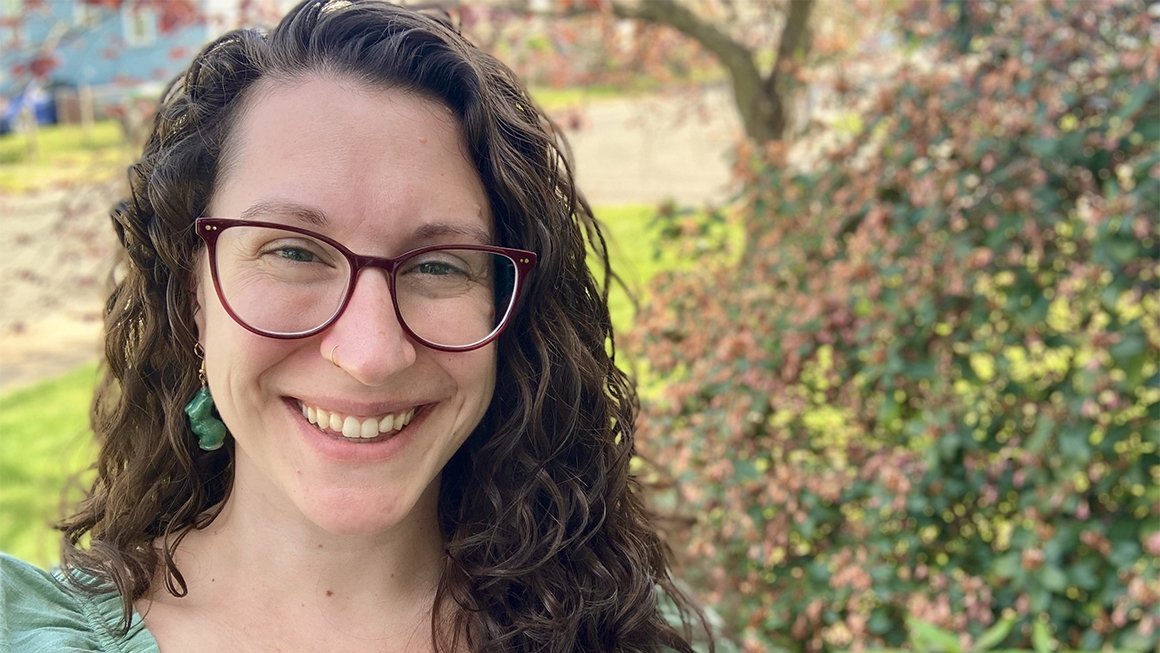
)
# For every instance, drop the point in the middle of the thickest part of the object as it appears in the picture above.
(324, 544)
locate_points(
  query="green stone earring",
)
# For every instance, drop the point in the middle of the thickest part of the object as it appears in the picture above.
(210, 431)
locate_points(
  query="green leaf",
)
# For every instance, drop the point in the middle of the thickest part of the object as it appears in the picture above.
(1073, 443)
(1123, 251)
(1041, 639)
(1044, 429)
(1084, 574)
(1130, 351)
(930, 638)
(1007, 565)
(880, 622)
(995, 635)
(1141, 97)
(1053, 578)
(1040, 599)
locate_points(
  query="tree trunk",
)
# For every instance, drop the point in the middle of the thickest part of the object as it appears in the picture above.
(761, 101)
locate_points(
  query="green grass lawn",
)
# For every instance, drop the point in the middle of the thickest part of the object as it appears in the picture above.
(552, 99)
(63, 154)
(44, 442)
(630, 237)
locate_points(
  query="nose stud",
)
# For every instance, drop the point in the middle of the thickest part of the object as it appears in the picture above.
(332, 360)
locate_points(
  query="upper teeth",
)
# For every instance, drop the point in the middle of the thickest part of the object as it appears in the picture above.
(356, 427)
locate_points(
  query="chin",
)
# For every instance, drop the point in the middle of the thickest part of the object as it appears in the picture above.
(354, 514)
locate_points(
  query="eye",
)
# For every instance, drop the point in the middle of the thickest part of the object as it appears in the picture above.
(295, 254)
(441, 263)
(438, 268)
(295, 251)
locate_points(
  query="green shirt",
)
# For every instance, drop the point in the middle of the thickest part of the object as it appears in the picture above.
(39, 612)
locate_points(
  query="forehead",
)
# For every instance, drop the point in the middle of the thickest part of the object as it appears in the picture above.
(349, 149)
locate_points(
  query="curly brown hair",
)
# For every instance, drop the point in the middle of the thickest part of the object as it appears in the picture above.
(549, 544)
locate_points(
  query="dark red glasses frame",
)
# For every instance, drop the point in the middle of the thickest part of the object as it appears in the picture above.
(210, 228)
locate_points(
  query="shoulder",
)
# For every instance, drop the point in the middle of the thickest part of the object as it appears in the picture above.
(39, 611)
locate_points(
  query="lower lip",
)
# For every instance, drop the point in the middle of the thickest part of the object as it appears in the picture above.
(351, 450)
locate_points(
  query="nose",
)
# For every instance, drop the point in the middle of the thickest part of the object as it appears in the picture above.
(367, 341)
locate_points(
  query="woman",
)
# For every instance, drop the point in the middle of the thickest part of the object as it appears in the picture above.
(357, 394)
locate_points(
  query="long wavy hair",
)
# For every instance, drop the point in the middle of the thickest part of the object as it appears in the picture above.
(549, 544)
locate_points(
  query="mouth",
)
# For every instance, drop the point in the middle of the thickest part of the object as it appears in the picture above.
(356, 427)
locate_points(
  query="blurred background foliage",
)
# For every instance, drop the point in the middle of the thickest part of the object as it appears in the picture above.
(901, 390)
(926, 390)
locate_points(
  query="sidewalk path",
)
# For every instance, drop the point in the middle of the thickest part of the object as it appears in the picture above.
(656, 148)
(58, 245)
(58, 250)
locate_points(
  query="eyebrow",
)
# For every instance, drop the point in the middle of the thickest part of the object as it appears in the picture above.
(304, 213)
(317, 217)
(433, 230)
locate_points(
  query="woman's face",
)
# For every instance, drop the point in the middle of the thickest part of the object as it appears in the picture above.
(382, 172)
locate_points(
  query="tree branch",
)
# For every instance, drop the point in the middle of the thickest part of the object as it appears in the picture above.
(758, 98)
(795, 33)
(736, 58)
(733, 55)
(794, 41)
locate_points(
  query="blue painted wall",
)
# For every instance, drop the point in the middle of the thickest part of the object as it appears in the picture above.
(110, 49)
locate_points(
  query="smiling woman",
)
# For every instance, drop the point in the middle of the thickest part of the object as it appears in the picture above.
(357, 394)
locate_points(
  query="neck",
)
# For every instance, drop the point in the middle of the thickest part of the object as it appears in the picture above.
(264, 558)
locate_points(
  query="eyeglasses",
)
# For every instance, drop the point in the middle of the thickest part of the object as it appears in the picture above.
(282, 281)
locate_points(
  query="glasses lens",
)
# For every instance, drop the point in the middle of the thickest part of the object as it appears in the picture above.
(280, 282)
(284, 283)
(455, 297)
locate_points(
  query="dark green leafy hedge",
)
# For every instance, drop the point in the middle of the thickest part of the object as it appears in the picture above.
(928, 387)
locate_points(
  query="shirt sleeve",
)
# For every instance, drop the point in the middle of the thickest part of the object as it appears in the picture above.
(39, 613)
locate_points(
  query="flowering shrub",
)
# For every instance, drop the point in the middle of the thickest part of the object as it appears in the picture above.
(927, 388)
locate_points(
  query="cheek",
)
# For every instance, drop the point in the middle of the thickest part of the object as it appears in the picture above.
(487, 376)
(475, 377)
(217, 330)
(235, 358)
(239, 368)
